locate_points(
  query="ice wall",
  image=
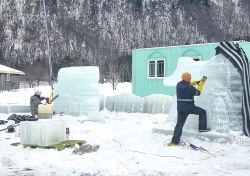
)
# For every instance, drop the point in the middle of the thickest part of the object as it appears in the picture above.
(126, 102)
(78, 90)
(221, 97)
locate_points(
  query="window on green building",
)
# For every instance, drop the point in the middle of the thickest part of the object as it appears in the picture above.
(156, 68)
(151, 68)
(160, 68)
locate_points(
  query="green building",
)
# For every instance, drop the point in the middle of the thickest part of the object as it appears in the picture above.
(151, 65)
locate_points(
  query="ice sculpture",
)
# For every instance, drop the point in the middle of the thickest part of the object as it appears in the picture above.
(184, 64)
(221, 97)
(78, 90)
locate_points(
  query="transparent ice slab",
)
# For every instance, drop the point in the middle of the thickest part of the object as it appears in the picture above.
(221, 97)
(78, 91)
(44, 132)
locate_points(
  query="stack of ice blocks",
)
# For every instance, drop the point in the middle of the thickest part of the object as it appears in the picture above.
(78, 91)
(43, 132)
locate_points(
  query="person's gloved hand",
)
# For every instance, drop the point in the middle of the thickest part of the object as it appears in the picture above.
(204, 78)
(201, 83)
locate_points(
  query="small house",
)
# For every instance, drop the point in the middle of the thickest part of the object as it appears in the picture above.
(151, 65)
(9, 78)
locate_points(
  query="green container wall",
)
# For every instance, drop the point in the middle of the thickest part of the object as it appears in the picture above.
(143, 86)
(246, 47)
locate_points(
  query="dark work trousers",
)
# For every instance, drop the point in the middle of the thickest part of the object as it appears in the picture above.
(181, 119)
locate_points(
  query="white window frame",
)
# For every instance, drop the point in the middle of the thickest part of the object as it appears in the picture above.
(153, 69)
(7, 77)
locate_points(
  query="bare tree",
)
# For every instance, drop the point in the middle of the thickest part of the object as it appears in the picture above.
(36, 73)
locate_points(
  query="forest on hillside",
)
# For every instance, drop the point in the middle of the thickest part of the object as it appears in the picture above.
(103, 33)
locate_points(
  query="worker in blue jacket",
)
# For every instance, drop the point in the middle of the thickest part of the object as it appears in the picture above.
(185, 92)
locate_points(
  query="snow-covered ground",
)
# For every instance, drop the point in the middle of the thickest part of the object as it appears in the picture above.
(127, 147)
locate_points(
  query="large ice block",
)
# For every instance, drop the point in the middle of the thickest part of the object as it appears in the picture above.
(44, 132)
(78, 90)
(221, 97)
(223, 93)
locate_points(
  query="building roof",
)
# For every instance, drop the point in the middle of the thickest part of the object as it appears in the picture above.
(188, 45)
(5, 69)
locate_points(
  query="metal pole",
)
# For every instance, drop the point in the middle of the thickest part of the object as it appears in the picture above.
(48, 44)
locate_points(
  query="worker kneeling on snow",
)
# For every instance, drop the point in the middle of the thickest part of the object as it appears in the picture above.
(185, 92)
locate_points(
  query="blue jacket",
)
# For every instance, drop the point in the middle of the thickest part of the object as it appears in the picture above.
(185, 96)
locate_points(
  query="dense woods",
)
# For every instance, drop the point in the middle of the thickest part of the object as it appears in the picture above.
(104, 32)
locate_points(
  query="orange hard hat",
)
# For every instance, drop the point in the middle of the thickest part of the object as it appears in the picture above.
(186, 76)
